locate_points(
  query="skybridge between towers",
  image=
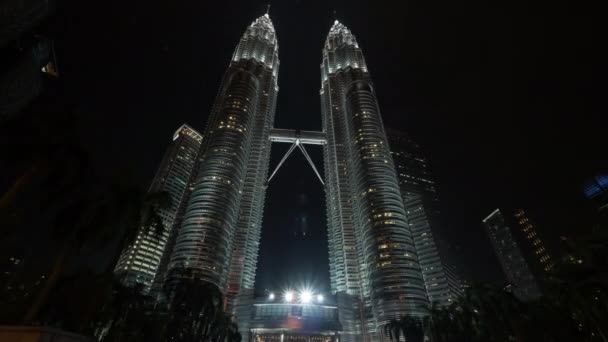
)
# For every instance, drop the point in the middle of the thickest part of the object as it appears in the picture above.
(297, 139)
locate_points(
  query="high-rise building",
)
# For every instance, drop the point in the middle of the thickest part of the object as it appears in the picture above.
(218, 240)
(422, 207)
(374, 270)
(538, 254)
(509, 253)
(373, 259)
(139, 262)
(456, 283)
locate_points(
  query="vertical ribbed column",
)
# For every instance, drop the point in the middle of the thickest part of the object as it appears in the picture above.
(345, 266)
(397, 287)
(218, 241)
(205, 238)
(380, 270)
(257, 47)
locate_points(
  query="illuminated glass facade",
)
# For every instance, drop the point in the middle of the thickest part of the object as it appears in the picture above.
(140, 262)
(422, 207)
(219, 237)
(529, 233)
(511, 258)
(373, 259)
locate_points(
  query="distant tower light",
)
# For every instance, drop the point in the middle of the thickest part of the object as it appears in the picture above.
(271, 296)
(320, 298)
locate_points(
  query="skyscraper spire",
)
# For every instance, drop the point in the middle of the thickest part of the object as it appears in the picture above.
(268, 9)
(259, 42)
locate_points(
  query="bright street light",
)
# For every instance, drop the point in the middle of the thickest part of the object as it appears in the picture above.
(288, 296)
(306, 296)
(271, 296)
(320, 298)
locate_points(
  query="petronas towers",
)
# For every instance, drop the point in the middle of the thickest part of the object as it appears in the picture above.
(374, 269)
(373, 260)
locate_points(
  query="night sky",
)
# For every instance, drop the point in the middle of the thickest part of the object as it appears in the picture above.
(499, 94)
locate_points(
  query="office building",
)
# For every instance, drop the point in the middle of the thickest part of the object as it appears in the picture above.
(510, 256)
(539, 256)
(139, 263)
(422, 206)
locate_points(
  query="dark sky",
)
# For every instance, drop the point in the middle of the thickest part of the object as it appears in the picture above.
(500, 95)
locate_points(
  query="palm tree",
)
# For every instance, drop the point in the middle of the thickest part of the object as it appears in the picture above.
(412, 328)
(574, 307)
(481, 314)
(225, 329)
(95, 216)
(140, 215)
(72, 200)
(393, 330)
(126, 313)
(582, 285)
(195, 310)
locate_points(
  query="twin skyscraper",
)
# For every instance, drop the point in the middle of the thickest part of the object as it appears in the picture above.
(218, 183)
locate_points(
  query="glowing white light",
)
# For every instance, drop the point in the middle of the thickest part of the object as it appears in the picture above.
(306, 296)
(320, 298)
(288, 296)
(271, 296)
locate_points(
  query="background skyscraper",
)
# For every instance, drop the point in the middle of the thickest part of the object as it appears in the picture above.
(511, 258)
(139, 263)
(218, 241)
(422, 206)
(539, 257)
(373, 260)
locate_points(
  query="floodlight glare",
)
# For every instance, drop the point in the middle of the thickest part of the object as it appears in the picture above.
(320, 298)
(288, 296)
(271, 296)
(306, 296)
